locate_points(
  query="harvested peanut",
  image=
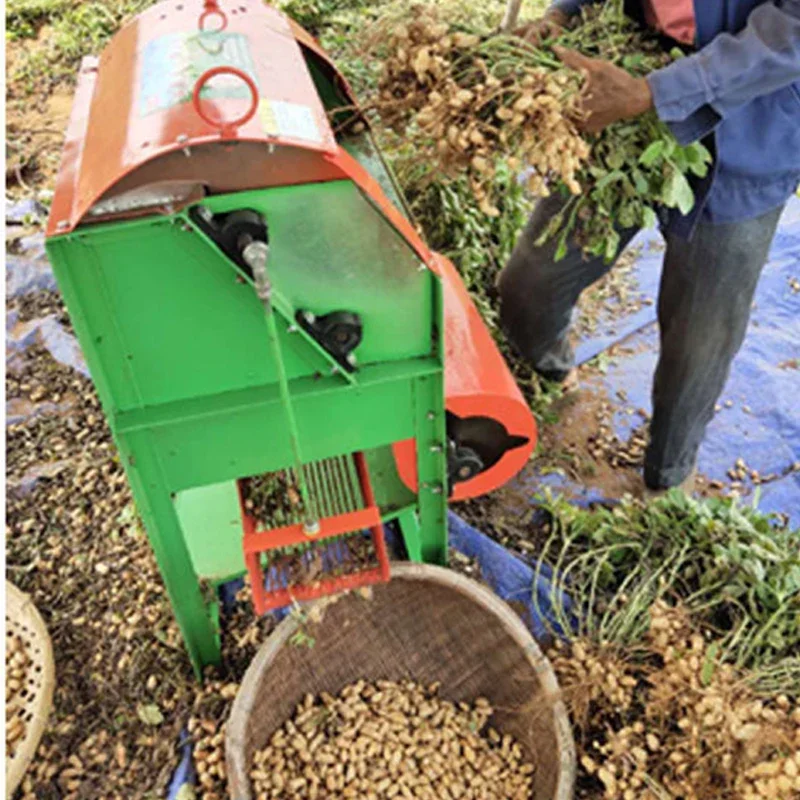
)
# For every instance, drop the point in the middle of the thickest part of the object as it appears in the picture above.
(18, 664)
(391, 739)
(693, 727)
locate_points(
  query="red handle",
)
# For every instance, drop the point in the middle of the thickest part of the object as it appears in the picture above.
(227, 128)
(211, 12)
(210, 9)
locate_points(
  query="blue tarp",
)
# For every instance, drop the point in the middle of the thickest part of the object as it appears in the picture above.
(759, 415)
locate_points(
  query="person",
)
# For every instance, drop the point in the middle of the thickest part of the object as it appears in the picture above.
(738, 91)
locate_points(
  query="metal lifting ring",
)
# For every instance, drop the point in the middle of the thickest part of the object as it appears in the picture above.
(209, 13)
(210, 9)
(227, 128)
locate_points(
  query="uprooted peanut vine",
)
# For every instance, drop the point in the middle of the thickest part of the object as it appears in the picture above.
(471, 104)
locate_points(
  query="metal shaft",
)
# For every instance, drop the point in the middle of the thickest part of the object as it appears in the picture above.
(256, 255)
(511, 16)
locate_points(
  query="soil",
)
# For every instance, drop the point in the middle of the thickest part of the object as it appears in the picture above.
(34, 138)
(613, 297)
(73, 541)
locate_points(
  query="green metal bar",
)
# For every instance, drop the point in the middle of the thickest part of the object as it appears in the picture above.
(409, 527)
(256, 256)
(226, 403)
(337, 489)
(352, 484)
(312, 474)
(431, 437)
(431, 469)
(154, 503)
(254, 441)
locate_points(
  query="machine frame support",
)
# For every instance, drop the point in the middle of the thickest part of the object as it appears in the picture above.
(430, 435)
(155, 505)
(408, 520)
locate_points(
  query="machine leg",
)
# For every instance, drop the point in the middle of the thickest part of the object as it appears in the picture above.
(431, 469)
(409, 527)
(154, 503)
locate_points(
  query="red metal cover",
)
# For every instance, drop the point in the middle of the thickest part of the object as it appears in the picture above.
(478, 383)
(134, 105)
(134, 127)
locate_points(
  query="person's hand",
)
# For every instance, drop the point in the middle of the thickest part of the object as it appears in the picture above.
(610, 93)
(549, 26)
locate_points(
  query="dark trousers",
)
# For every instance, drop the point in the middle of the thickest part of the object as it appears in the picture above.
(704, 302)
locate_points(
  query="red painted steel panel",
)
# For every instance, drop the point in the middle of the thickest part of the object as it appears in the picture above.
(478, 383)
(136, 105)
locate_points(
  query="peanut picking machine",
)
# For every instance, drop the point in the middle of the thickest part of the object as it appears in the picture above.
(252, 299)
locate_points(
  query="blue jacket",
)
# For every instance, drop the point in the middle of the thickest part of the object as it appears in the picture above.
(742, 85)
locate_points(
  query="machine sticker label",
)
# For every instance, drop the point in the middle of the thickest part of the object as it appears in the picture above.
(172, 64)
(292, 120)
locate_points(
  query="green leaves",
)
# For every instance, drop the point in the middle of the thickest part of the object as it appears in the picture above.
(611, 177)
(678, 193)
(737, 572)
(698, 159)
(649, 218)
(149, 714)
(611, 246)
(635, 168)
(629, 215)
(653, 153)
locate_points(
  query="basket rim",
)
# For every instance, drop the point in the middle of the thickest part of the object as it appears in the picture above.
(21, 609)
(235, 730)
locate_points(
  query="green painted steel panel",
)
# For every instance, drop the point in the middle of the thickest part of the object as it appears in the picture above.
(176, 341)
(169, 317)
(212, 526)
(252, 440)
(391, 494)
(330, 250)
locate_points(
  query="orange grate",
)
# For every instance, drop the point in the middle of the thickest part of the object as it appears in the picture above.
(300, 566)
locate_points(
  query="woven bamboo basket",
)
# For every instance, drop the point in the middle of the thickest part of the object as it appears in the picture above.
(428, 624)
(35, 699)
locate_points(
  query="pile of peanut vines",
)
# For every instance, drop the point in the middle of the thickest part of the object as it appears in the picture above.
(471, 104)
